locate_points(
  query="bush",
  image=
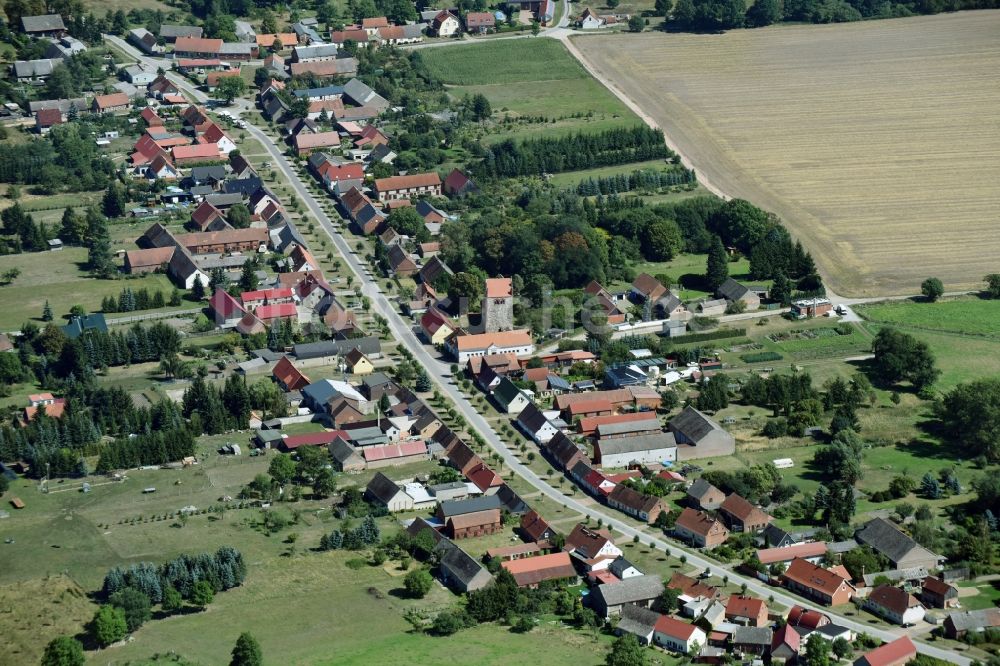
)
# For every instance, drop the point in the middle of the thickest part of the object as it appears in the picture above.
(418, 583)
(761, 357)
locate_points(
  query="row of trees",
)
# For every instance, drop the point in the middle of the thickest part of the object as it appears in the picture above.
(510, 159)
(140, 299)
(717, 15)
(641, 179)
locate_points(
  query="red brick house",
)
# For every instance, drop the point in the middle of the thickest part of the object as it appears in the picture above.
(408, 187)
(288, 376)
(742, 516)
(638, 505)
(815, 582)
(700, 529)
(475, 524)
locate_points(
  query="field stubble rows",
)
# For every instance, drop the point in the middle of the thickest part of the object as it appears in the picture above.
(878, 143)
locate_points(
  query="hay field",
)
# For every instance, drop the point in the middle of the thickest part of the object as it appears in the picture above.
(877, 142)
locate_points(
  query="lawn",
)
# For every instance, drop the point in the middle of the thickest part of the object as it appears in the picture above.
(61, 279)
(866, 139)
(686, 269)
(968, 315)
(546, 82)
(573, 178)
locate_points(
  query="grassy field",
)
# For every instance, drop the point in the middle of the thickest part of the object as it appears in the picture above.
(545, 81)
(61, 279)
(865, 138)
(969, 316)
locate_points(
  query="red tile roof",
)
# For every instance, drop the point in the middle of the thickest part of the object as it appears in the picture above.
(48, 117)
(390, 451)
(276, 311)
(286, 373)
(266, 294)
(499, 287)
(406, 182)
(788, 553)
(197, 45)
(213, 78)
(312, 439)
(897, 652)
(225, 305)
(197, 151)
(111, 101)
(534, 570)
(674, 628)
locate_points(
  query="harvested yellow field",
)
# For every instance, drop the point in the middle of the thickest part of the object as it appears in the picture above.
(878, 142)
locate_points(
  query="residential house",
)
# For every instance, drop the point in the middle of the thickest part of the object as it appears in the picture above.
(600, 299)
(530, 571)
(746, 611)
(675, 635)
(289, 377)
(433, 269)
(608, 600)
(436, 326)
(509, 398)
(535, 528)
(742, 516)
(700, 529)
(894, 653)
(902, 551)
(623, 569)
(691, 588)
(813, 581)
(734, 292)
(589, 20)
(692, 427)
(46, 119)
(226, 310)
(145, 40)
(401, 34)
(358, 363)
(383, 491)
(593, 548)
(636, 504)
(457, 183)
(532, 422)
(407, 187)
(563, 452)
(445, 24)
(647, 289)
(774, 537)
(895, 605)
(138, 262)
(703, 495)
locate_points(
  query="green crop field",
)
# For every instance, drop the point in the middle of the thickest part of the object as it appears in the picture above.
(536, 77)
(866, 139)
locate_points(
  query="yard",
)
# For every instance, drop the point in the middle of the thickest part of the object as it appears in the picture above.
(61, 278)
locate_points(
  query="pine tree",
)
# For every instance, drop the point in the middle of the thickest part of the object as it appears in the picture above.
(198, 289)
(47, 312)
(114, 202)
(717, 266)
(248, 277)
(175, 298)
(781, 290)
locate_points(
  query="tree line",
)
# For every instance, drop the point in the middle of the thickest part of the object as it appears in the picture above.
(641, 179)
(717, 15)
(509, 159)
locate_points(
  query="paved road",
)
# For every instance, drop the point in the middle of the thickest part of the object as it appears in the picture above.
(440, 373)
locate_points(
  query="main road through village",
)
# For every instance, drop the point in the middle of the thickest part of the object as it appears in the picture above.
(440, 372)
